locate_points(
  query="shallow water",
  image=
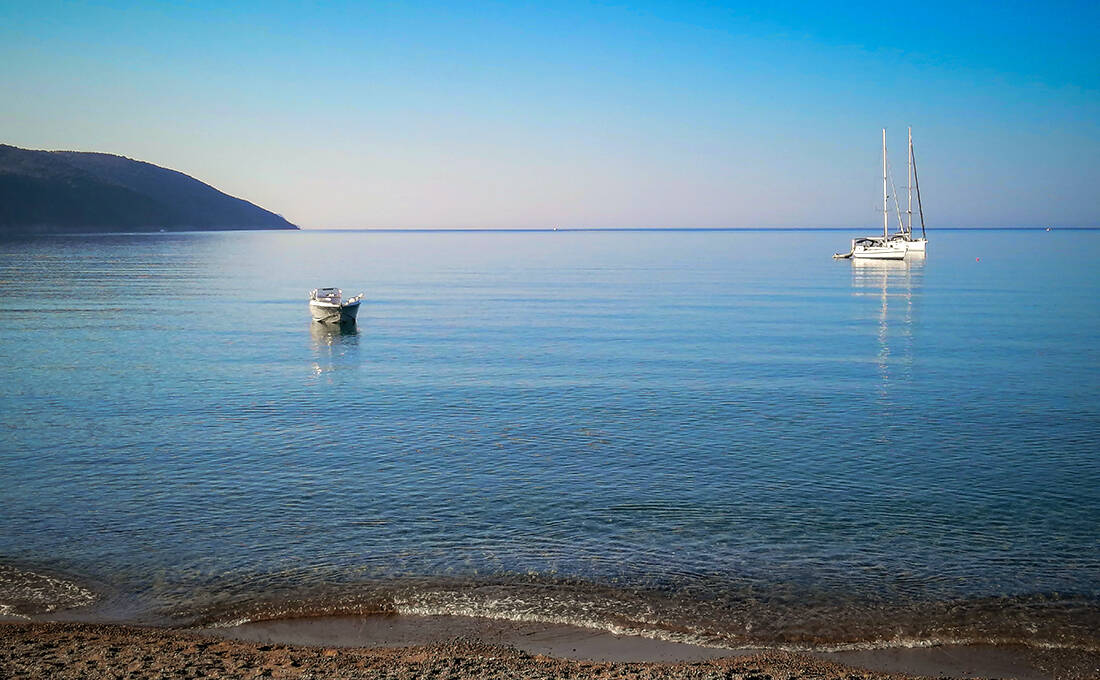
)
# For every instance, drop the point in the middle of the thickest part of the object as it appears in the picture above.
(715, 436)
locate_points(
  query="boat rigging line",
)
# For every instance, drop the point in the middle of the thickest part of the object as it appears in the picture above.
(916, 181)
(897, 206)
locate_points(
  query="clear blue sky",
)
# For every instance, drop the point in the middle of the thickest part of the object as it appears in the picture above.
(512, 114)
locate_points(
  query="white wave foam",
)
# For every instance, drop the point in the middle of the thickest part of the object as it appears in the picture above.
(452, 603)
(231, 623)
(610, 613)
(7, 610)
(459, 604)
(24, 593)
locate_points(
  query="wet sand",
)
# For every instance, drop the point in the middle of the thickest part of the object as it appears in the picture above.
(413, 647)
(68, 650)
(556, 640)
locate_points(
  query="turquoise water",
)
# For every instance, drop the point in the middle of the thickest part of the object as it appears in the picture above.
(714, 436)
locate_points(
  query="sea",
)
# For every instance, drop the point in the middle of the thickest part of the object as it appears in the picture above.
(723, 437)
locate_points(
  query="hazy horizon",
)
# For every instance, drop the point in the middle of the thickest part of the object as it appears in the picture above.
(664, 115)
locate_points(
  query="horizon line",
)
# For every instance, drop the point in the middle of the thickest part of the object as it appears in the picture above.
(636, 229)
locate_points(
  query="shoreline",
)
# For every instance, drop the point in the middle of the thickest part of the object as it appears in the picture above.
(465, 647)
(69, 650)
(568, 642)
(48, 604)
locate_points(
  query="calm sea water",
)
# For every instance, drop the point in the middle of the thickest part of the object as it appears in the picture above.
(713, 436)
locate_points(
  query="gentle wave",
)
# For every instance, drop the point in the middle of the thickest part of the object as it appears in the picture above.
(1039, 623)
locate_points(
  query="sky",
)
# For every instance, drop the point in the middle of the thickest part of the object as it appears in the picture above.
(576, 114)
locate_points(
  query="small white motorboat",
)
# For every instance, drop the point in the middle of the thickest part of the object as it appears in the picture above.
(327, 305)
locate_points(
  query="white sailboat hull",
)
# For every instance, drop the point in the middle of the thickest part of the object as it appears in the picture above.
(890, 250)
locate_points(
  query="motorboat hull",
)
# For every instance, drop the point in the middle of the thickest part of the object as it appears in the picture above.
(329, 313)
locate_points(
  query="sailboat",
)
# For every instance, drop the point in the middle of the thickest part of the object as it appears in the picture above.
(891, 246)
(913, 245)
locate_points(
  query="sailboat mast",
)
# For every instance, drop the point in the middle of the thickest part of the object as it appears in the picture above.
(885, 227)
(909, 212)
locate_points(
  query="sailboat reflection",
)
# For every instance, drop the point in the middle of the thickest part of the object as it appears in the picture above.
(896, 285)
(333, 345)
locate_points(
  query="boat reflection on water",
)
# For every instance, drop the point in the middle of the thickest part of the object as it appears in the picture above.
(330, 334)
(895, 285)
(334, 346)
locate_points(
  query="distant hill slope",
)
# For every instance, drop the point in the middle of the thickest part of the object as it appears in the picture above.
(73, 191)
